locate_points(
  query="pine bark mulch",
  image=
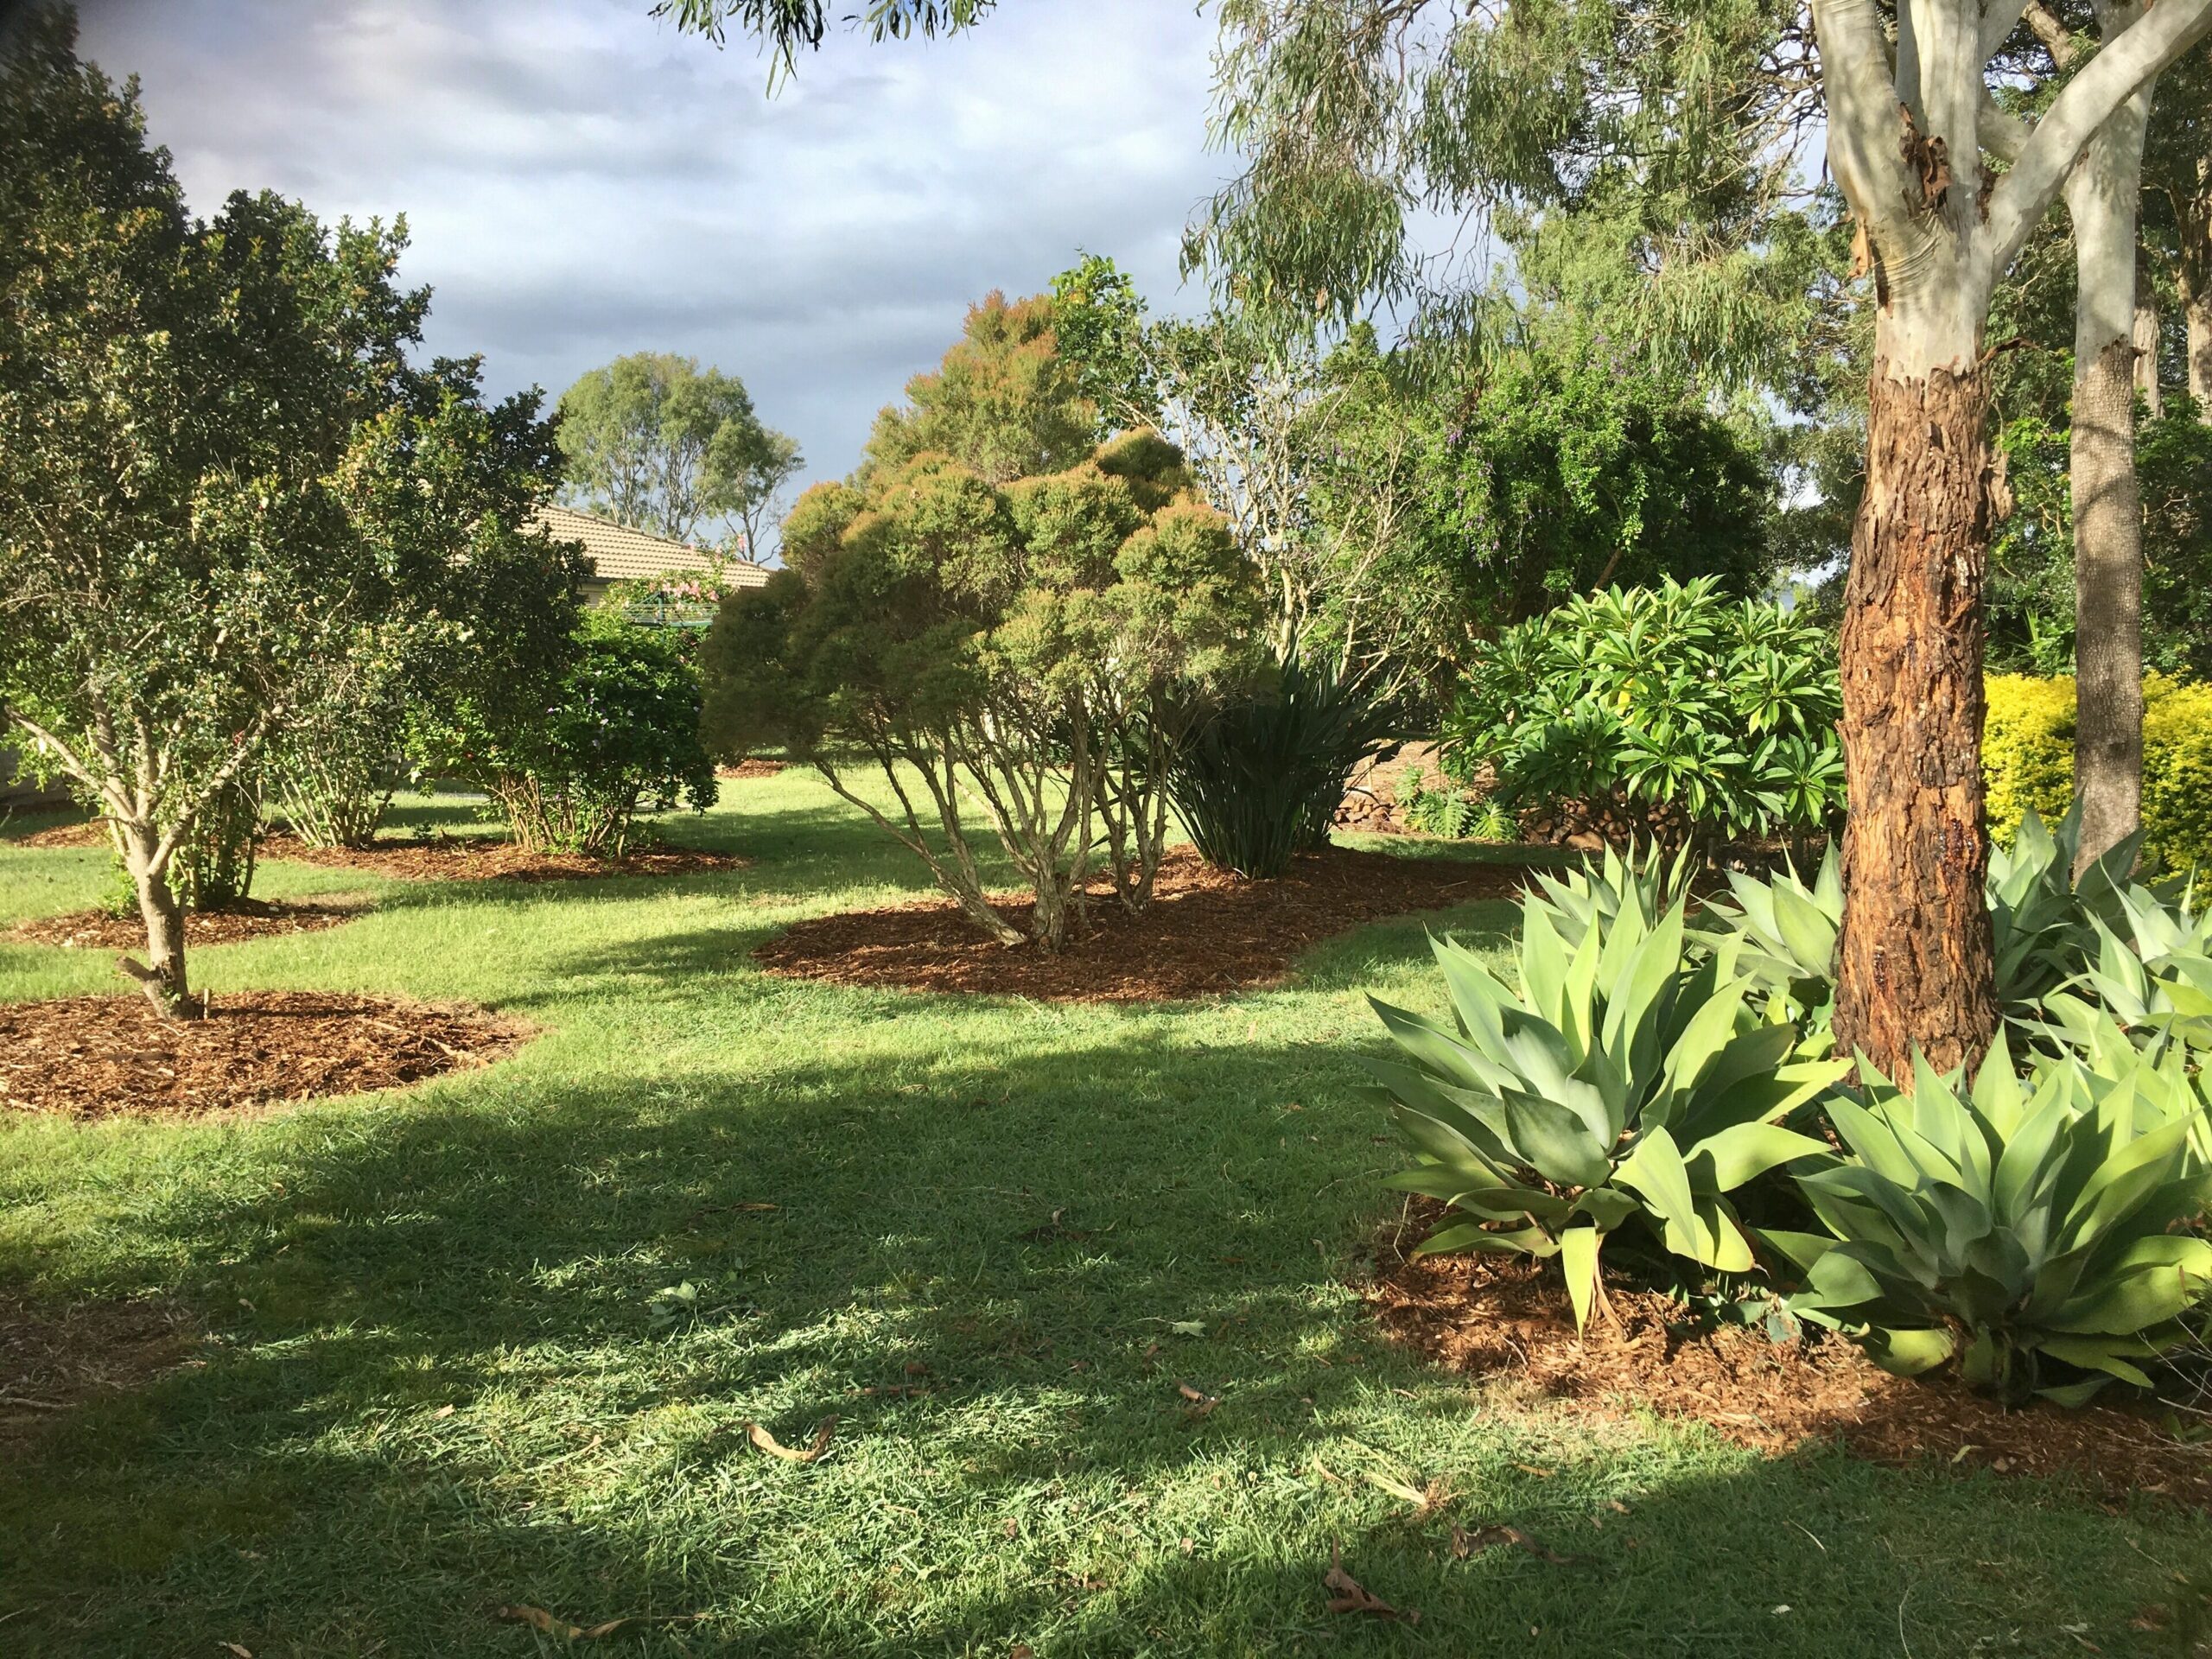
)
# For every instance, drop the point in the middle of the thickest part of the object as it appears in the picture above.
(92, 833)
(1205, 932)
(1508, 1318)
(250, 918)
(487, 858)
(92, 1057)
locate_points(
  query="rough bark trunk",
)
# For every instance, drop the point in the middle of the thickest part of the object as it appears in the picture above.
(1914, 963)
(2101, 199)
(164, 981)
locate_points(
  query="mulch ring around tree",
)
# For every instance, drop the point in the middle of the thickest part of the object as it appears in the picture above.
(486, 858)
(1205, 932)
(1507, 1318)
(92, 833)
(53, 1356)
(249, 918)
(89, 1057)
(751, 766)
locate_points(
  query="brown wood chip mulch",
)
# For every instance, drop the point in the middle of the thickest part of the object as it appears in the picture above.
(750, 768)
(485, 858)
(89, 1057)
(251, 919)
(1205, 932)
(53, 1356)
(92, 834)
(1508, 1318)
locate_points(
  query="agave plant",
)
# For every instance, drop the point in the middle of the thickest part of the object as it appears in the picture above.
(1783, 934)
(1615, 1085)
(1577, 900)
(2152, 975)
(2015, 1225)
(2043, 916)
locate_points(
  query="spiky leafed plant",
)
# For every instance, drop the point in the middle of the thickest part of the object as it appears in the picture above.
(1616, 1085)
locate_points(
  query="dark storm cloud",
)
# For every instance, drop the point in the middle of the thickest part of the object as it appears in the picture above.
(580, 180)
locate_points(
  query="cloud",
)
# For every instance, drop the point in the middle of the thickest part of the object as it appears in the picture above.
(581, 181)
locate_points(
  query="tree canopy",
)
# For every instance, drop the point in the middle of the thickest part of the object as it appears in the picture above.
(657, 443)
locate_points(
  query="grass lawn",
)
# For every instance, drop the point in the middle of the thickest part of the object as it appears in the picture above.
(439, 1379)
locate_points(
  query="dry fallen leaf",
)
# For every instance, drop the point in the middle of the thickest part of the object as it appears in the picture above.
(1201, 1402)
(775, 1448)
(236, 1649)
(760, 1206)
(442, 1412)
(1348, 1595)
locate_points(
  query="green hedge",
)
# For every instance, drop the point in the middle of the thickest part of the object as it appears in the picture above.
(2027, 759)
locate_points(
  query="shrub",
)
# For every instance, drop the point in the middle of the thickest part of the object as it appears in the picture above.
(622, 736)
(2027, 760)
(2014, 1226)
(1671, 702)
(1616, 1085)
(1260, 778)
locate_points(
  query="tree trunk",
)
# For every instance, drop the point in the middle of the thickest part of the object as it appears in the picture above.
(2101, 199)
(2145, 353)
(164, 982)
(2200, 352)
(1915, 968)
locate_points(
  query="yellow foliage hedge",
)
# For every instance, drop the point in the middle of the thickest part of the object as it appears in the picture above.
(2027, 759)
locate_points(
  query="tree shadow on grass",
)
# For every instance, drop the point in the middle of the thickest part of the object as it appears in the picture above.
(446, 1375)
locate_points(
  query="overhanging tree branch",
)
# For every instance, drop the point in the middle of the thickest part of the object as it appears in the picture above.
(2136, 54)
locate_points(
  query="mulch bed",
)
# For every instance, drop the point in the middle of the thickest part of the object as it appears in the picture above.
(91, 834)
(1205, 932)
(750, 768)
(486, 858)
(89, 1057)
(53, 1357)
(250, 918)
(1508, 1318)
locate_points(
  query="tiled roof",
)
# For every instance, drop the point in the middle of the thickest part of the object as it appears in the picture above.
(618, 554)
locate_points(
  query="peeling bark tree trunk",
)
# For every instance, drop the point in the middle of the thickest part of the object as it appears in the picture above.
(1914, 969)
(2102, 198)
(2200, 352)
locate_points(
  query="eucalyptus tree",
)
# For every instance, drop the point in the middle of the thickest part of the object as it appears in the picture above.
(1908, 129)
(659, 444)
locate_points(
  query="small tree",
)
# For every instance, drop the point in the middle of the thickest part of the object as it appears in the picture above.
(657, 443)
(180, 569)
(448, 487)
(1018, 653)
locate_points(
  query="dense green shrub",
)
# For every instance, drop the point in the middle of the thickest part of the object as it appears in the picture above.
(2018, 1224)
(1671, 702)
(620, 735)
(2027, 760)
(1259, 778)
(1618, 1084)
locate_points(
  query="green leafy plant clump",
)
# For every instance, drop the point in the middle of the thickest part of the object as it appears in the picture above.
(619, 735)
(1617, 1084)
(1260, 778)
(2017, 1223)
(1673, 702)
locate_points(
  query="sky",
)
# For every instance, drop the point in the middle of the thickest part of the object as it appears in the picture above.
(581, 181)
